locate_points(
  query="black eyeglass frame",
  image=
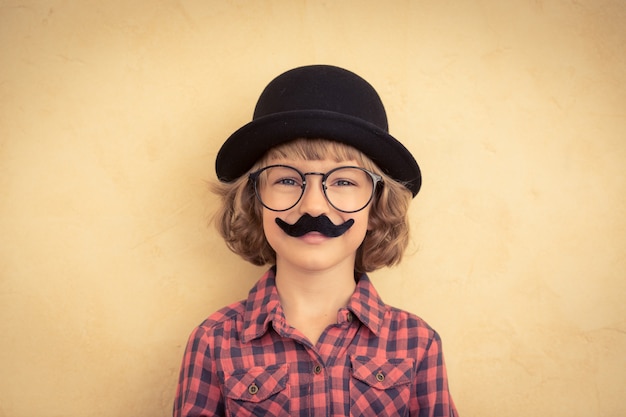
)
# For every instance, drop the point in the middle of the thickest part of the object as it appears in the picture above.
(376, 180)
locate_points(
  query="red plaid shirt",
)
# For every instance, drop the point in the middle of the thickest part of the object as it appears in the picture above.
(245, 360)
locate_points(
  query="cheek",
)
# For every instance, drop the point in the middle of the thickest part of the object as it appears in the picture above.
(271, 230)
(360, 228)
(363, 228)
(366, 220)
(267, 223)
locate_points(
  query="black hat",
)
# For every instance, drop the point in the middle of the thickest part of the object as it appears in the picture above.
(318, 101)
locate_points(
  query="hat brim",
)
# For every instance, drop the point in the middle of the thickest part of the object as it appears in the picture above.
(249, 143)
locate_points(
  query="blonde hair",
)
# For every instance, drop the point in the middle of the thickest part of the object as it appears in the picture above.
(239, 218)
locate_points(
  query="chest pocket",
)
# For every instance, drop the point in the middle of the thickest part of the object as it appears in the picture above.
(380, 386)
(258, 391)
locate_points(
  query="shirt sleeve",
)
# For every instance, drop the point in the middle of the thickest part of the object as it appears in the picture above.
(198, 393)
(433, 395)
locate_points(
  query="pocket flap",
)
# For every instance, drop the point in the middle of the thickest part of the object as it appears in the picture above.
(382, 373)
(256, 384)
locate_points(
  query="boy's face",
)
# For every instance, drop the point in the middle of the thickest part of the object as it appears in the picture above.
(314, 251)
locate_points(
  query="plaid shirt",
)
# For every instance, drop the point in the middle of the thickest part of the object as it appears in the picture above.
(245, 360)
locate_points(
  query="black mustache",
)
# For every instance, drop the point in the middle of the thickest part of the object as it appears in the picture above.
(308, 223)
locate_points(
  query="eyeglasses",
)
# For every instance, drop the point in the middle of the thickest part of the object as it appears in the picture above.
(347, 189)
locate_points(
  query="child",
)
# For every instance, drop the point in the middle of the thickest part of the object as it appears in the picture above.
(316, 187)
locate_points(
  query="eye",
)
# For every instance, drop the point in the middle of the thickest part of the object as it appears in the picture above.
(283, 177)
(343, 183)
(291, 182)
(287, 182)
(348, 178)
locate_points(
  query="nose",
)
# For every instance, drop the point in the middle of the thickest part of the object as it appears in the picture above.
(313, 200)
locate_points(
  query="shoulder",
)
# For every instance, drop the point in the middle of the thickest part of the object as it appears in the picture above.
(225, 316)
(399, 320)
(218, 328)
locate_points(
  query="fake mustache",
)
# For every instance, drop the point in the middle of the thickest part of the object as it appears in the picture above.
(308, 223)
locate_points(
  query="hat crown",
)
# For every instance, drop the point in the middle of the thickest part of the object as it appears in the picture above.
(313, 102)
(322, 88)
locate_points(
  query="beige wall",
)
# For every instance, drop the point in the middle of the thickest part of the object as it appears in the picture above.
(111, 113)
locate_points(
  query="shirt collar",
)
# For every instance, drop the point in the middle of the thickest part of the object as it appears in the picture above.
(263, 307)
(367, 305)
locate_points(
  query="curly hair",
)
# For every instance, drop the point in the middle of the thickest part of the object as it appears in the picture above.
(239, 218)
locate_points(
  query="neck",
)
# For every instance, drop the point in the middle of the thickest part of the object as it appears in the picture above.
(311, 299)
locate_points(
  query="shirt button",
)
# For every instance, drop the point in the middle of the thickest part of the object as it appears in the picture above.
(349, 317)
(317, 369)
(253, 389)
(380, 377)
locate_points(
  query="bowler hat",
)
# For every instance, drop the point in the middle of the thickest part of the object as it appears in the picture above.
(318, 101)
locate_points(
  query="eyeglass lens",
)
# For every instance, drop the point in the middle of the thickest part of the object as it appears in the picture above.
(347, 189)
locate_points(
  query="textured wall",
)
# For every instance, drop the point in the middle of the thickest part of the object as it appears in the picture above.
(112, 111)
